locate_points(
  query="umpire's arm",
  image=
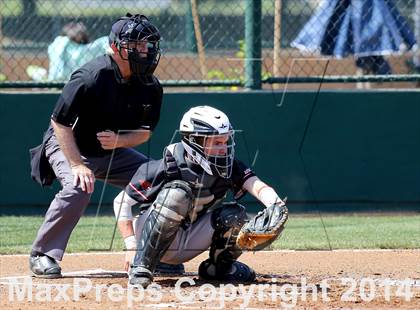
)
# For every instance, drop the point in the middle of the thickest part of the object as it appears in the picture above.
(82, 174)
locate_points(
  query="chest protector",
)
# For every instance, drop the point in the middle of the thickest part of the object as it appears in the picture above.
(208, 190)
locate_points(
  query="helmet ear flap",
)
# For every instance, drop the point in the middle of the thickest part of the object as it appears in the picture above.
(197, 140)
(118, 46)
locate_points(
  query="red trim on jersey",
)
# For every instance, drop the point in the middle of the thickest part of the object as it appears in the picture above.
(146, 185)
(137, 191)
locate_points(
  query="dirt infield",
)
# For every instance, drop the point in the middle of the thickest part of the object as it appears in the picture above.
(369, 279)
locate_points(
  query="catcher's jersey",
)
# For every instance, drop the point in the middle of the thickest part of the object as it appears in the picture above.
(208, 190)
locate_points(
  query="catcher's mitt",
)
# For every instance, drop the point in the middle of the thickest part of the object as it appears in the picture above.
(263, 229)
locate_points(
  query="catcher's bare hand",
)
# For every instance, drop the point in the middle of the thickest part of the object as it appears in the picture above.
(108, 139)
(129, 256)
(83, 176)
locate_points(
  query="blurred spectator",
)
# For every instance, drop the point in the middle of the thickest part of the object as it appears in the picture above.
(373, 65)
(76, 32)
(414, 63)
(416, 58)
(69, 51)
(367, 29)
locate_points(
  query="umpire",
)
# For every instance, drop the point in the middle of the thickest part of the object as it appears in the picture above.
(110, 105)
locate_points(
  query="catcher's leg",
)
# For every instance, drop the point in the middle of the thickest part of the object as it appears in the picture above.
(160, 228)
(190, 241)
(222, 264)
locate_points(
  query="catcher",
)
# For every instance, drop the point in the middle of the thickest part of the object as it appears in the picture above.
(181, 209)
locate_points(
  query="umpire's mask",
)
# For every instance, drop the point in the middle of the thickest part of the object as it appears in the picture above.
(140, 38)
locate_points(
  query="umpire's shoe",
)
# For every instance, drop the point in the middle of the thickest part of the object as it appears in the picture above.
(140, 276)
(238, 272)
(43, 266)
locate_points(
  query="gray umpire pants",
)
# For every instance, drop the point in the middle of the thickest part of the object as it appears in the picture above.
(188, 243)
(70, 202)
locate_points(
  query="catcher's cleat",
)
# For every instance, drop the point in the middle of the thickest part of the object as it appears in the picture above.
(140, 276)
(169, 269)
(238, 272)
(43, 266)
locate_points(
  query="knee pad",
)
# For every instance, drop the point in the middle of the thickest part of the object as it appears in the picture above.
(162, 223)
(231, 215)
(174, 201)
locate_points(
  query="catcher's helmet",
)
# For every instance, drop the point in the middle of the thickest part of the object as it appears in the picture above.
(131, 33)
(198, 126)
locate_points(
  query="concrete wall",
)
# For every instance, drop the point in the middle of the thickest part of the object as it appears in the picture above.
(361, 150)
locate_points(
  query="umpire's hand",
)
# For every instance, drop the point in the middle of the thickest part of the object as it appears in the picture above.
(83, 176)
(108, 139)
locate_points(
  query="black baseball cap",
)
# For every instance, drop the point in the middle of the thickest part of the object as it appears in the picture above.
(134, 27)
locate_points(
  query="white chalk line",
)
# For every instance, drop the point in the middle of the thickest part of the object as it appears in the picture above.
(119, 273)
(81, 273)
(95, 273)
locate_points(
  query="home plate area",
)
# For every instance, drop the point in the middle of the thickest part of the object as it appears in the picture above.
(367, 279)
